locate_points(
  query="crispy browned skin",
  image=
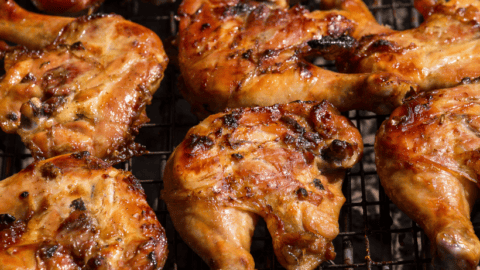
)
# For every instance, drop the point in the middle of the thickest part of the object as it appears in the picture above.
(283, 163)
(440, 53)
(235, 53)
(86, 91)
(77, 212)
(66, 6)
(427, 157)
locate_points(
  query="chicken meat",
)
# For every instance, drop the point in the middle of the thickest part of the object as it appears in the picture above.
(427, 156)
(245, 53)
(78, 84)
(66, 6)
(76, 212)
(283, 163)
(442, 52)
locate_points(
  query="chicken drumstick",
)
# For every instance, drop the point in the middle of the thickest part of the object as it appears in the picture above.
(235, 53)
(283, 163)
(442, 52)
(427, 157)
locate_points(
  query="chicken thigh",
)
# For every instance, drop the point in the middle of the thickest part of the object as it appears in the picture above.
(442, 52)
(283, 163)
(76, 212)
(427, 156)
(80, 85)
(235, 53)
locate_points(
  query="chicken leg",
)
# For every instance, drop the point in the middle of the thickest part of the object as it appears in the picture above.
(86, 90)
(427, 156)
(283, 163)
(442, 52)
(77, 212)
(247, 53)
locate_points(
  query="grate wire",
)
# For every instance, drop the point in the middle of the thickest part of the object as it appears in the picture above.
(374, 234)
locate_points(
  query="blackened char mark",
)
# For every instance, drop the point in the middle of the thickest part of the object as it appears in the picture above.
(50, 171)
(78, 205)
(318, 184)
(81, 155)
(237, 156)
(28, 78)
(197, 143)
(77, 46)
(293, 124)
(153, 259)
(302, 193)
(468, 80)
(230, 120)
(385, 46)
(95, 263)
(239, 9)
(329, 43)
(6, 219)
(12, 116)
(338, 151)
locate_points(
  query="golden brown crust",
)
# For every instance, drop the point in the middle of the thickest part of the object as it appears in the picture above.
(427, 159)
(245, 53)
(86, 91)
(75, 211)
(440, 53)
(283, 163)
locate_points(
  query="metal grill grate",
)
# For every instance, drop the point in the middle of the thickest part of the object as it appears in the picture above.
(374, 233)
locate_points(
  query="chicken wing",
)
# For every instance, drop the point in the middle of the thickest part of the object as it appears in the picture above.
(84, 87)
(77, 212)
(244, 53)
(283, 163)
(427, 156)
(66, 6)
(442, 52)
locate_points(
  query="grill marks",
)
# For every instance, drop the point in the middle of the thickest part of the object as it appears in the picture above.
(289, 137)
(82, 210)
(265, 162)
(296, 118)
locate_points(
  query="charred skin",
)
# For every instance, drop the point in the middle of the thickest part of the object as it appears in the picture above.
(86, 91)
(440, 53)
(427, 156)
(246, 53)
(283, 163)
(77, 212)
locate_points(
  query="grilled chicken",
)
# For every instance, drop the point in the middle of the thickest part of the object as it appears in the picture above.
(66, 6)
(245, 53)
(283, 163)
(440, 53)
(427, 157)
(76, 212)
(81, 85)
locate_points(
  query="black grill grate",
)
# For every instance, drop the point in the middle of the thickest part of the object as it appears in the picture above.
(374, 233)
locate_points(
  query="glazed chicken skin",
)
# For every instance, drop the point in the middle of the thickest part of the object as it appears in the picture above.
(76, 212)
(442, 52)
(84, 87)
(283, 163)
(427, 156)
(66, 6)
(244, 53)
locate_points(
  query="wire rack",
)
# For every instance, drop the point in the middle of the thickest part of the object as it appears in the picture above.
(374, 233)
